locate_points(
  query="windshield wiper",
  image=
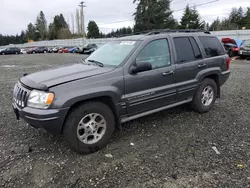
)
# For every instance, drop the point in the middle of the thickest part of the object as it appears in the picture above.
(96, 62)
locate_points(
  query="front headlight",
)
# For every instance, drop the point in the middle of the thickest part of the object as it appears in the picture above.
(40, 99)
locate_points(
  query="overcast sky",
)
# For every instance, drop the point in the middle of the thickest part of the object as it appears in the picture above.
(108, 14)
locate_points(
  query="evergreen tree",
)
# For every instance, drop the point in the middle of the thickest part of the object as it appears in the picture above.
(93, 30)
(52, 32)
(31, 32)
(216, 25)
(41, 25)
(191, 19)
(59, 28)
(246, 19)
(153, 14)
(22, 37)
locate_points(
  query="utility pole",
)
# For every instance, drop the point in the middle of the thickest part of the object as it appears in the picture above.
(82, 25)
(73, 23)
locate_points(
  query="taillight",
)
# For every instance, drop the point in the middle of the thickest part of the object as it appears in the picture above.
(228, 60)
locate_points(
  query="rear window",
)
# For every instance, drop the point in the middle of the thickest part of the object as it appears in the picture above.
(212, 46)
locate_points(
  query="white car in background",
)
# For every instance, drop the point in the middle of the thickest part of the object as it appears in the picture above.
(23, 51)
(2, 49)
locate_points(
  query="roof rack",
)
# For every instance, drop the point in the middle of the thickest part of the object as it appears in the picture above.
(158, 31)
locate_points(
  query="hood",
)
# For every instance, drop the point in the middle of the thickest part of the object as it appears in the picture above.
(235, 42)
(48, 78)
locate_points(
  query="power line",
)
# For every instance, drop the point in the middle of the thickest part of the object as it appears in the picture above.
(131, 13)
(198, 5)
(179, 2)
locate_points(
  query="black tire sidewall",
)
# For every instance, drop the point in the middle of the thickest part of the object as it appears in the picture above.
(197, 104)
(70, 129)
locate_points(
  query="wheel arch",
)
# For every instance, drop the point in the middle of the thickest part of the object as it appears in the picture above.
(108, 100)
(215, 77)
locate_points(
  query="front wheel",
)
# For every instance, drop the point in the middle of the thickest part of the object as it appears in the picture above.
(89, 127)
(205, 96)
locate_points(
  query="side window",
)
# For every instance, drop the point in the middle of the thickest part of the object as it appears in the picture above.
(184, 50)
(212, 46)
(197, 52)
(157, 53)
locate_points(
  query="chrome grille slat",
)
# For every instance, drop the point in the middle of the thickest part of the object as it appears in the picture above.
(20, 95)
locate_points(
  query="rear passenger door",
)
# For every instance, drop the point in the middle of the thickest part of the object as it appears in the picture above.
(189, 62)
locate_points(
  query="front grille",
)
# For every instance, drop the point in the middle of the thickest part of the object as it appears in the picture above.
(20, 95)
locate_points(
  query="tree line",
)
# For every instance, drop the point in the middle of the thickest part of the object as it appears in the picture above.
(149, 15)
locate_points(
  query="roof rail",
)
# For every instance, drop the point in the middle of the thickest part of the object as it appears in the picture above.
(158, 31)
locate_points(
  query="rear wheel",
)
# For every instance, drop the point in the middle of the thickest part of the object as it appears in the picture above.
(33, 52)
(3, 53)
(205, 96)
(16, 53)
(89, 127)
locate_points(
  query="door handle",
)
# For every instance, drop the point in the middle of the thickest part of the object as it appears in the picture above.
(168, 73)
(202, 65)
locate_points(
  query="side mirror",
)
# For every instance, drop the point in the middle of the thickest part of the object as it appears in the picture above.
(141, 67)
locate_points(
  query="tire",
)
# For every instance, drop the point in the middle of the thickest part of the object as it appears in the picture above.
(197, 102)
(71, 132)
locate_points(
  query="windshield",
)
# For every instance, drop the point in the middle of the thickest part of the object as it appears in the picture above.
(113, 53)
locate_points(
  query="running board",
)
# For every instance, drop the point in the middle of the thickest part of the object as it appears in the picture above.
(126, 119)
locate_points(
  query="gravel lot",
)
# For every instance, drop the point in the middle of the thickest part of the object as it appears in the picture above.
(171, 149)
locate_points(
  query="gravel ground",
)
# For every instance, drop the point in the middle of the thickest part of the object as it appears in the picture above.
(171, 149)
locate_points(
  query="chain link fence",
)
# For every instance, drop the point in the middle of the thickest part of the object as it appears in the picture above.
(237, 34)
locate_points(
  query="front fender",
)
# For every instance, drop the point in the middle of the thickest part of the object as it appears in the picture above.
(91, 93)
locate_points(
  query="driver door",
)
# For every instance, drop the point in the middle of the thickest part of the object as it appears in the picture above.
(154, 88)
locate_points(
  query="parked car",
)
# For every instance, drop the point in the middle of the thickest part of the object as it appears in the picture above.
(2, 49)
(12, 50)
(64, 50)
(232, 46)
(23, 51)
(55, 49)
(88, 48)
(31, 51)
(50, 50)
(91, 50)
(245, 49)
(125, 79)
(41, 49)
(73, 50)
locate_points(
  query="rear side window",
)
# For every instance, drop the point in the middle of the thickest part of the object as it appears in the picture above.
(197, 52)
(212, 46)
(184, 50)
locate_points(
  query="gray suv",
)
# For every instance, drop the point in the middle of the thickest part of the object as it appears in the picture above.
(125, 79)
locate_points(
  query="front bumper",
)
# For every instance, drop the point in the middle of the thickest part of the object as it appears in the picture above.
(50, 120)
